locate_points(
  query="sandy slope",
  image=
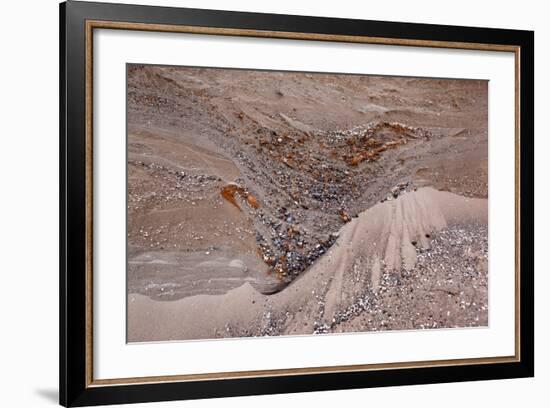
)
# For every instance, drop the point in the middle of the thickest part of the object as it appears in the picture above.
(288, 139)
(380, 241)
(242, 184)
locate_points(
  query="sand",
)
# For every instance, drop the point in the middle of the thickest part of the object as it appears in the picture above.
(379, 238)
(268, 203)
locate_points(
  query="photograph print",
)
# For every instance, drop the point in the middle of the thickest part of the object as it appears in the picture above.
(278, 203)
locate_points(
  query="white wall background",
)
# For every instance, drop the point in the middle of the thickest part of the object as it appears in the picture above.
(29, 204)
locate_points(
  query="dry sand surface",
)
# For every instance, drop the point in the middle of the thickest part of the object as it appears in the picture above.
(270, 203)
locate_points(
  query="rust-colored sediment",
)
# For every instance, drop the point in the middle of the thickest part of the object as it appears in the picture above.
(231, 190)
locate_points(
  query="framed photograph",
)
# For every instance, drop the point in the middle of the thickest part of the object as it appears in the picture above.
(256, 203)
